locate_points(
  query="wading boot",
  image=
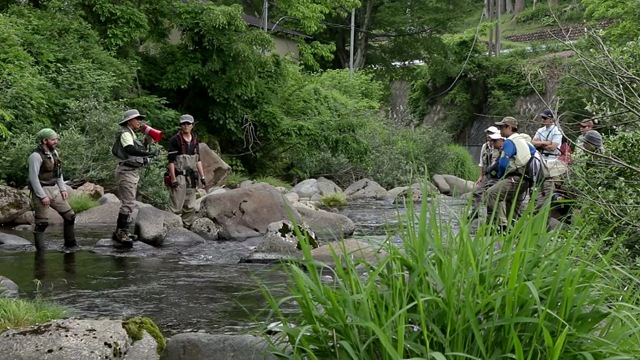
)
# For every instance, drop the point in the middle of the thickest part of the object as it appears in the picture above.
(38, 238)
(69, 235)
(121, 236)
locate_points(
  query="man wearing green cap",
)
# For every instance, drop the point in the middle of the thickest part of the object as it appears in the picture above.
(131, 155)
(48, 190)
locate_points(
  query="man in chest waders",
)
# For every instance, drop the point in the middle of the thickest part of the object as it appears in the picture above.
(185, 168)
(132, 155)
(48, 190)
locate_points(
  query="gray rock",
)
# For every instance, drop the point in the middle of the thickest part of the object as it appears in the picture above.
(8, 288)
(152, 225)
(109, 247)
(327, 225)
(458, 186)
(13, 202)
(306, 188)
(92, 190)
(106, 214)
(327, 187)
(70, 339)
(247, 212)
(143, 349)
(200, 346)
(354, 249)
(108, 198)
(441, 184)
(26, 217)
(10, 240)
(215, 169)
(206, 228)
(292, 197)
(367, 189)
(181, 237)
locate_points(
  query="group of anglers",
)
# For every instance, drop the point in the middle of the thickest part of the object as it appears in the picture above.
(185, 172)
(514, 165)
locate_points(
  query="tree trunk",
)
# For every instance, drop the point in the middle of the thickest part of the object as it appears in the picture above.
(519, 6)
(359, 60)
(509, 6)
(553, 2)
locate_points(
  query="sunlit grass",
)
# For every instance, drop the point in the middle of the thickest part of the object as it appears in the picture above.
(16, 313)
(457, 295)
(81, 202)
(334, 200)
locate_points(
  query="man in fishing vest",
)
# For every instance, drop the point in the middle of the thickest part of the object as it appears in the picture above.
(585, 126)
(510, 188)
(132, 155)
(488, 155)
(548, 138)
(185, 168)
(48, 190)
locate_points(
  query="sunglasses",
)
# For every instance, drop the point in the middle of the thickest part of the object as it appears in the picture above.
(584, 126)
(185, 124)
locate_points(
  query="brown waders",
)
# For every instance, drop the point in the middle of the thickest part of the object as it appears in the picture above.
(42, 221)
(127, 179)
(182, 199)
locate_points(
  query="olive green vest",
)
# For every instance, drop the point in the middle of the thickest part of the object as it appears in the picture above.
(51, 168)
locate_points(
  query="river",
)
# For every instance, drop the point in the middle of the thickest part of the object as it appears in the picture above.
(197, 289)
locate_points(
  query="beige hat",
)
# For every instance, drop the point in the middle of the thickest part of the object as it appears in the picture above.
(510, 121)
(130, 114)
(495, 136)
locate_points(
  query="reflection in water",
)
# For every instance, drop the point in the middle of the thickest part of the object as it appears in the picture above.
(69, 261)
(39, 266)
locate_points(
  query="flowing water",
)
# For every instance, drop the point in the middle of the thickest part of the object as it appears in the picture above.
(201, 288)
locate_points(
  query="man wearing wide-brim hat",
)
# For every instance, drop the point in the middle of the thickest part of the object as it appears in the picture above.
(132, 155)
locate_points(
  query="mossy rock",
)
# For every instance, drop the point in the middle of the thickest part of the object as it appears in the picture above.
(135, 328)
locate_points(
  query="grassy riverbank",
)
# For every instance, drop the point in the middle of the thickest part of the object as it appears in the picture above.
(15, 313)
(527, 295)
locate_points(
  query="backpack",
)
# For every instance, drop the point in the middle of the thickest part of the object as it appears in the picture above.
(534, 173)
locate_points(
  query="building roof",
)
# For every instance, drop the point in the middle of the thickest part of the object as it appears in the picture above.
(254, 21)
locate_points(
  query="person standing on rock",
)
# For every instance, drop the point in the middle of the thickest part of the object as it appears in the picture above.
(48, 190)
(185, 168)
(132, 155)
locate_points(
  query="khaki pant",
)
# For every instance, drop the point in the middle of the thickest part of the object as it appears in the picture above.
(478, 193)
(127, 179)
(57, 203)
(508, 190)
(182, 200)
(543, 194)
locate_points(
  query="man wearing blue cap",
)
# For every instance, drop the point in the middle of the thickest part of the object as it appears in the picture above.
(548, 138)
(49, 190)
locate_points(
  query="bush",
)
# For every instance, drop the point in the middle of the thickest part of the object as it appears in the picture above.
(441, 294)
(275, 182)
(81, 202)
(459, 162)
(234, 179)
(16, 313)
(334, 200)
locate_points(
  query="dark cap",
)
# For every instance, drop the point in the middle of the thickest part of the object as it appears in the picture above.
(510, 121)
(547, 114)
(593, 137)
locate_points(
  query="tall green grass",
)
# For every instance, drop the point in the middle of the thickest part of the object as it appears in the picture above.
(456, 295)
(15, 313)
(81, 202)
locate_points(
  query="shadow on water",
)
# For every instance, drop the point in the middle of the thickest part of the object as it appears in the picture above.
(201, 288)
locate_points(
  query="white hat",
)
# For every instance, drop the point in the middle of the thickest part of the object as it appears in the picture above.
(130, 114)
(492, 130)
(495, 136)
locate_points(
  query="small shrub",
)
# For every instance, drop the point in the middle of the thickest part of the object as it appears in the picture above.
(16, 313)
(334, 200)
(235, 179)
(82, 202)
(136, 327)
(460, 163)
(275, 182)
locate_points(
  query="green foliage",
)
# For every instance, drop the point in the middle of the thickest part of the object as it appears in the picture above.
(459, 162)
(275, 182)
(446, 295)
(81, 202)
(235, 179)
(17, 313)
(151, 188)
(137, 326)
(334, 200)
(625, 14)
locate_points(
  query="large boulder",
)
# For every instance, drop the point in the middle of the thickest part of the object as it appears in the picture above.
(325, 224)
(247, 212)
(310, 187)
(453, 185)
(367, 189)
(106, 214)
(152, 225)
(206, 228)
(201, 346)
(13, 202)
(72, 339)
(92, 190)
(215, 169)
(181, 237)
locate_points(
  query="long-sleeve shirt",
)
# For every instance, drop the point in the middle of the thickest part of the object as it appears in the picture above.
(508, 152)
(35, 161)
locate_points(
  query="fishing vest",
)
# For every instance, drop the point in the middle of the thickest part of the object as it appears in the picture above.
(188, 155)
(523, 154)
(50, 169)
(489, 155)
(118, 150)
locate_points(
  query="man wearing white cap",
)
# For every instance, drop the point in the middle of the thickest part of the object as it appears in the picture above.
(488, 155)
(132, 155)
